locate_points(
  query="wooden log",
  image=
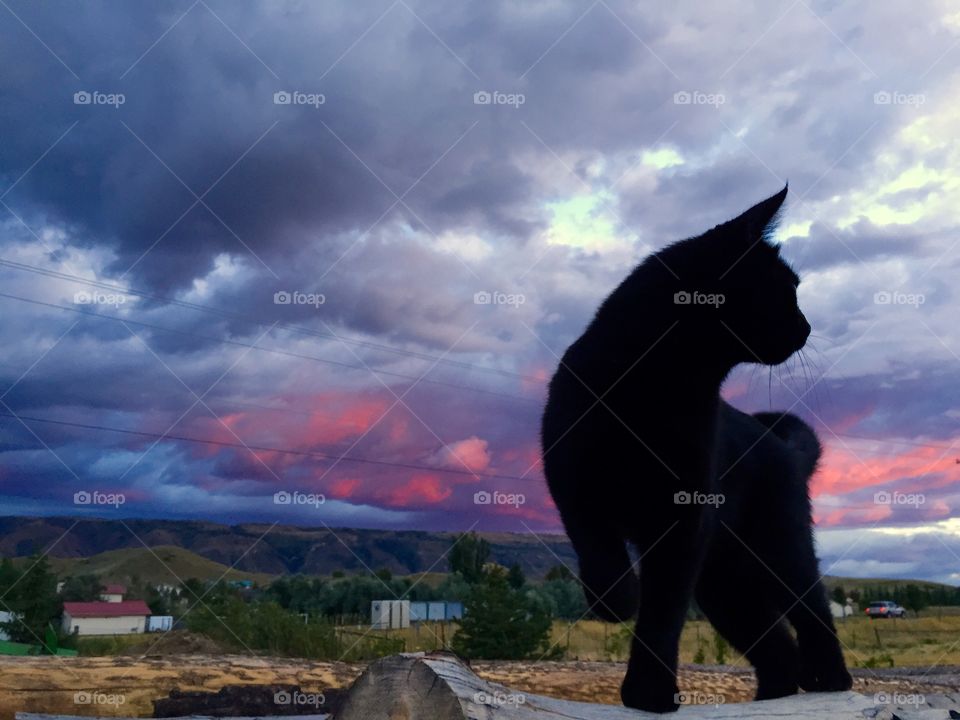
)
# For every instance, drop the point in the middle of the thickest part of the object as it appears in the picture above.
(439, 686)
(45, 716)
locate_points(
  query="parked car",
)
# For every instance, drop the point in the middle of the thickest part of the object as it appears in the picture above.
(884, 609)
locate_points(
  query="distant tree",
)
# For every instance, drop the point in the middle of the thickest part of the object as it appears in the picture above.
(564, 598)
(453, 587)
(839, 595)
(915, 598)
(500, 622)
(720, 648)
(384, 574)
(33, 600)
(81, 588)
(8, 576)
(468, 555)
(338, 574)
(515, 577)
(559, 572)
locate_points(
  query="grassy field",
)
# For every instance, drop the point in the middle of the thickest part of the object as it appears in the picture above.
(932, 639)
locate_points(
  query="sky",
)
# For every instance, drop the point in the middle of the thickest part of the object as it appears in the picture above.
(314, 262)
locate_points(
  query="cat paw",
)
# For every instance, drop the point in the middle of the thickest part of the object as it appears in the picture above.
(832, 680)
(770, 690)
(650, 699)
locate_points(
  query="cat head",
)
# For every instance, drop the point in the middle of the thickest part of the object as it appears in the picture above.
(736, 290)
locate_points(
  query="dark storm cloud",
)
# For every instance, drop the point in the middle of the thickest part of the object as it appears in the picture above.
(304, 198)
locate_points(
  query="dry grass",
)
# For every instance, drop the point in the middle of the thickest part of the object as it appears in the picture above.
(933, 639)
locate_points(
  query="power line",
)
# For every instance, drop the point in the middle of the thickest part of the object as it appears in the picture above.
(287, 326)
(260, 448)
(274, 351)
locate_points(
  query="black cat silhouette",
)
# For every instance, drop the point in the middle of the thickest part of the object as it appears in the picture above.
(639, 448)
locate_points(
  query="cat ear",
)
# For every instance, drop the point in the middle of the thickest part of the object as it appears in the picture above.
(760, 221)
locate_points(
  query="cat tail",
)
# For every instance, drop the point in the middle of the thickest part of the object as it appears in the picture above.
(798, 436)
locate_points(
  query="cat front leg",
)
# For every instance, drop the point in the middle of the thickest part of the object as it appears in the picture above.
(668, 562)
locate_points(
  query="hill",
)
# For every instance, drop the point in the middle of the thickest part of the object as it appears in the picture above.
(274, 550)
(115, 549)
(157, 565)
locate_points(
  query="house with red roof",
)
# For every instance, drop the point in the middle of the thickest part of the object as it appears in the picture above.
(113, 592)
(123, 617)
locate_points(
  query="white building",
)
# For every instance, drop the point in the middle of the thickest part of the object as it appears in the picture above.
(841, 611)
(125, 617)
(389, 614)
(113, 593)
(5, 617)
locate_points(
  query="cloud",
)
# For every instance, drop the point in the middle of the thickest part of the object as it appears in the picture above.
(399, 200)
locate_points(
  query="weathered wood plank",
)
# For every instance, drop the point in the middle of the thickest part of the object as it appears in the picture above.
(44, 716)
(438, 686)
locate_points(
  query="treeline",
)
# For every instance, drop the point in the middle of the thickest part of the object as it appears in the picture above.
(910, 595)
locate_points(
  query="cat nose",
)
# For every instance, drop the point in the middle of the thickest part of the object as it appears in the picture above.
(804, 325)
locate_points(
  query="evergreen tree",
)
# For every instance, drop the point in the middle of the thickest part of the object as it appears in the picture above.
(559, 572)
(34, 602)
(516, 577)
(501, 622)
(468, 555)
